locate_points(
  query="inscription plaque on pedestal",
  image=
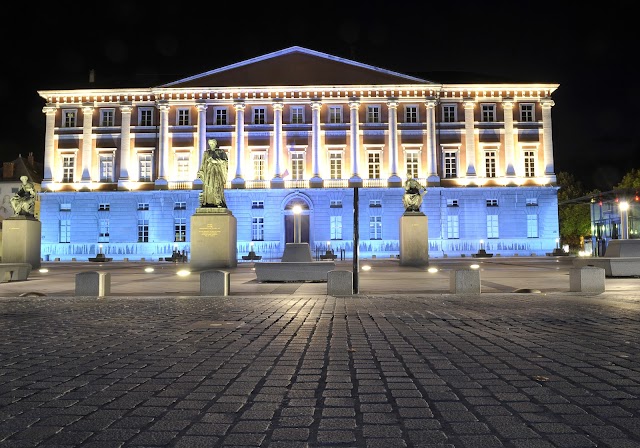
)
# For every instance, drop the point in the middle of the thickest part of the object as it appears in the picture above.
(414, 239)
(213, 239)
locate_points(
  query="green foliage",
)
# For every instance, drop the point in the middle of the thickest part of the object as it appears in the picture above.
(575, 217)
(630, 181)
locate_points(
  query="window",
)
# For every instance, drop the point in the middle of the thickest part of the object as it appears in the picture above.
(532, 226)
(221, 116)
(143, 206)
(297, 115)
(529, 164)
(259, 115)
(144, 164)
(103, 231)
(411, 114)
(107, 117)
(453, 224)
(375, 203)
(374, 165)
(335, 165)
(532, 201)
(106, 167)
(488, 112)
(450, 161)
(492, 226)
(68, 167)
(490, 163)
(65, 207)
(526, 112)
(259, 161)
(182, 166)
(412, 164)
(143, 230)
(335, 114)
(104, 207)
(184, 118)
(449, 113)
(145, 116)
(373, 114)
(68, 118)
(492, 202)
(335, 203)
(452, 202)
(65, 231)
(257, 204)
(375, 227)
(297, 165)
(257, 229)
(180, 229)
(180, 205)
(335, 224)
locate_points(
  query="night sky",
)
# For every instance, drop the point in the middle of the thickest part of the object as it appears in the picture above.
(588, 52)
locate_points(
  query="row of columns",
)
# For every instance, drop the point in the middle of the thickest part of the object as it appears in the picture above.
(238, 181)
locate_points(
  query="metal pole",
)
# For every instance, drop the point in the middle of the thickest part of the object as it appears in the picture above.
(356, 240)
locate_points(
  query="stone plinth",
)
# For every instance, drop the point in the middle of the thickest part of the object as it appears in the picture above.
(464, 281)
(215, 283)
(340, 283)
(297, 252)
(623, 248)
(414, 239)
(21, 239)
(213, 239)
(93, 283)
(586, 279)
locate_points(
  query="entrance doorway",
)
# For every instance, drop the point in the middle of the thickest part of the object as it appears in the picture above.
(289, 220)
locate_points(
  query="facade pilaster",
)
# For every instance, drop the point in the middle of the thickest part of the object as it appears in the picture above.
(277, 181)
(470, 141)
(238, 182)
(163, 156)
(547, 138)
(87, 143)
(432, 169)
(316, 181)
(394, 180)
(49, 146)
(202, 139)
(509, 155)
(125, 145)
(355, 180)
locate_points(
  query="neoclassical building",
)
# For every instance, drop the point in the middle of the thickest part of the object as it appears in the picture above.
(304, 128)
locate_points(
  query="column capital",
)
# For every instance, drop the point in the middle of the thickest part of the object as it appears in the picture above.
(201, 107)
(430, 103)
(87, 109)
(354, 104)
(508, 103)
(277, 105)
(469, 104)
(49, 110)
(163, 106)
(239, 106)
(316, 104)
(126, 108)
(547, 102)
(392, 103)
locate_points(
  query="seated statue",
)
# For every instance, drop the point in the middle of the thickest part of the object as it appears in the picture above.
(24, 200)
(412, 198)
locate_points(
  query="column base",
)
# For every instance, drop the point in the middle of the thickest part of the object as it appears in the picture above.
(394, 181)
(355, 181)
(238, 182)
(433, 180)
(161, 184)
(316, 182)
(277, 182)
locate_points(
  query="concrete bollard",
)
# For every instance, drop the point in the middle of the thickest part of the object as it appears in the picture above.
(215, 283)
(464, 281)
(339, 283)
(93, 283)
(587, 279)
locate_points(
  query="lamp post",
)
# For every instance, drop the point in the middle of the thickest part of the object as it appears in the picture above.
(624, 220)
(296, 223)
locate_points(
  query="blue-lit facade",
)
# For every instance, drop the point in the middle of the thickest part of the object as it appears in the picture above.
(300, 127)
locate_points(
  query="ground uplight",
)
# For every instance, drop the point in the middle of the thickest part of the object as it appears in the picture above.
(183, 273)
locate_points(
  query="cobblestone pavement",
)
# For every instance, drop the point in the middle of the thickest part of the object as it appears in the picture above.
(432, 370)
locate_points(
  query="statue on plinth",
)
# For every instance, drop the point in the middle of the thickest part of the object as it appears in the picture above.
(413, 193)
(213, 173)
(24, 200)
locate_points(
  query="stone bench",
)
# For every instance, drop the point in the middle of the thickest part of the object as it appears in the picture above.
(294, 271)
(93, 283)
(215, 283)
(10, 272)
(613, 266)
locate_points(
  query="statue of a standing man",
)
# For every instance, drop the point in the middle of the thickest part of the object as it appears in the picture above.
(213, 173)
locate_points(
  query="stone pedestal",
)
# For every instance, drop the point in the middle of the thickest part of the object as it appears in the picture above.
(21, 239)
(414, 239)
(213, 239)
(299, 252)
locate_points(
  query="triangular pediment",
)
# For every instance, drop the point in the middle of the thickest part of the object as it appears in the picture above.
(296, 66)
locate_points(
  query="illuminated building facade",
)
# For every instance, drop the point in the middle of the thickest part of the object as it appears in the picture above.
(300, 127)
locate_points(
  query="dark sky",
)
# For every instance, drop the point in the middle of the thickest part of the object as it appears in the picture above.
(588, 50)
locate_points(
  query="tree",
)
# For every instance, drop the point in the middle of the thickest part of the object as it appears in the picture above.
(574, 212)
(630, 181)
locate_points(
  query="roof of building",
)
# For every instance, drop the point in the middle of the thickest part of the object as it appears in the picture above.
(23, 166)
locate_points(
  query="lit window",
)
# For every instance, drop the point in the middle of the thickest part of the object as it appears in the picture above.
(375, 227)
(449, 113)
(335, 203)
(106, 168)
(257, 229)
(526, 112)
(492, 202)
(532, 201)
(375, 203)
(65, 231)
(412, 164)
(107, 117)
(335, 165)
(452, 202)
(144, 165)
(143, 206)
(65, 207)
(335, 114)
(297, 165)
(450, 161)
(297, 115)
(374, 165)
(180, 229)
(221, 116)
(529, 163)
(259, 115)
(488, 112)
(180, 205)
(490, 163)
(145, 115)
(259, 159)
(182, 166)
(257, 204)
(68, 167)
(103, 231)
(104, 207)
(68, 118)
(411, 114)
(492, 226)
(143, 230)
(184, 117)
(373, 114)
(532, 226)
(453, 224)
(335, 224)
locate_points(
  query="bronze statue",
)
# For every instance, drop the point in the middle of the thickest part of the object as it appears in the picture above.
(412, 198)
(213, 173)
(24, 200)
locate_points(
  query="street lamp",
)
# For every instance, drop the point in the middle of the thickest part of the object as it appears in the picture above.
(624, 219)
(296, 223)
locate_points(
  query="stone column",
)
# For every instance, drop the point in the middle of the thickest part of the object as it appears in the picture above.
(316, 181)
(547, 138)
(49, 148)
(432, 168)
(277, 181)
(87, 143)
(125, 145)
(238, 182)
(470, 142)
(509, 156)
(356, 180)
(163, 156)
(394, 180)
(202, 139)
